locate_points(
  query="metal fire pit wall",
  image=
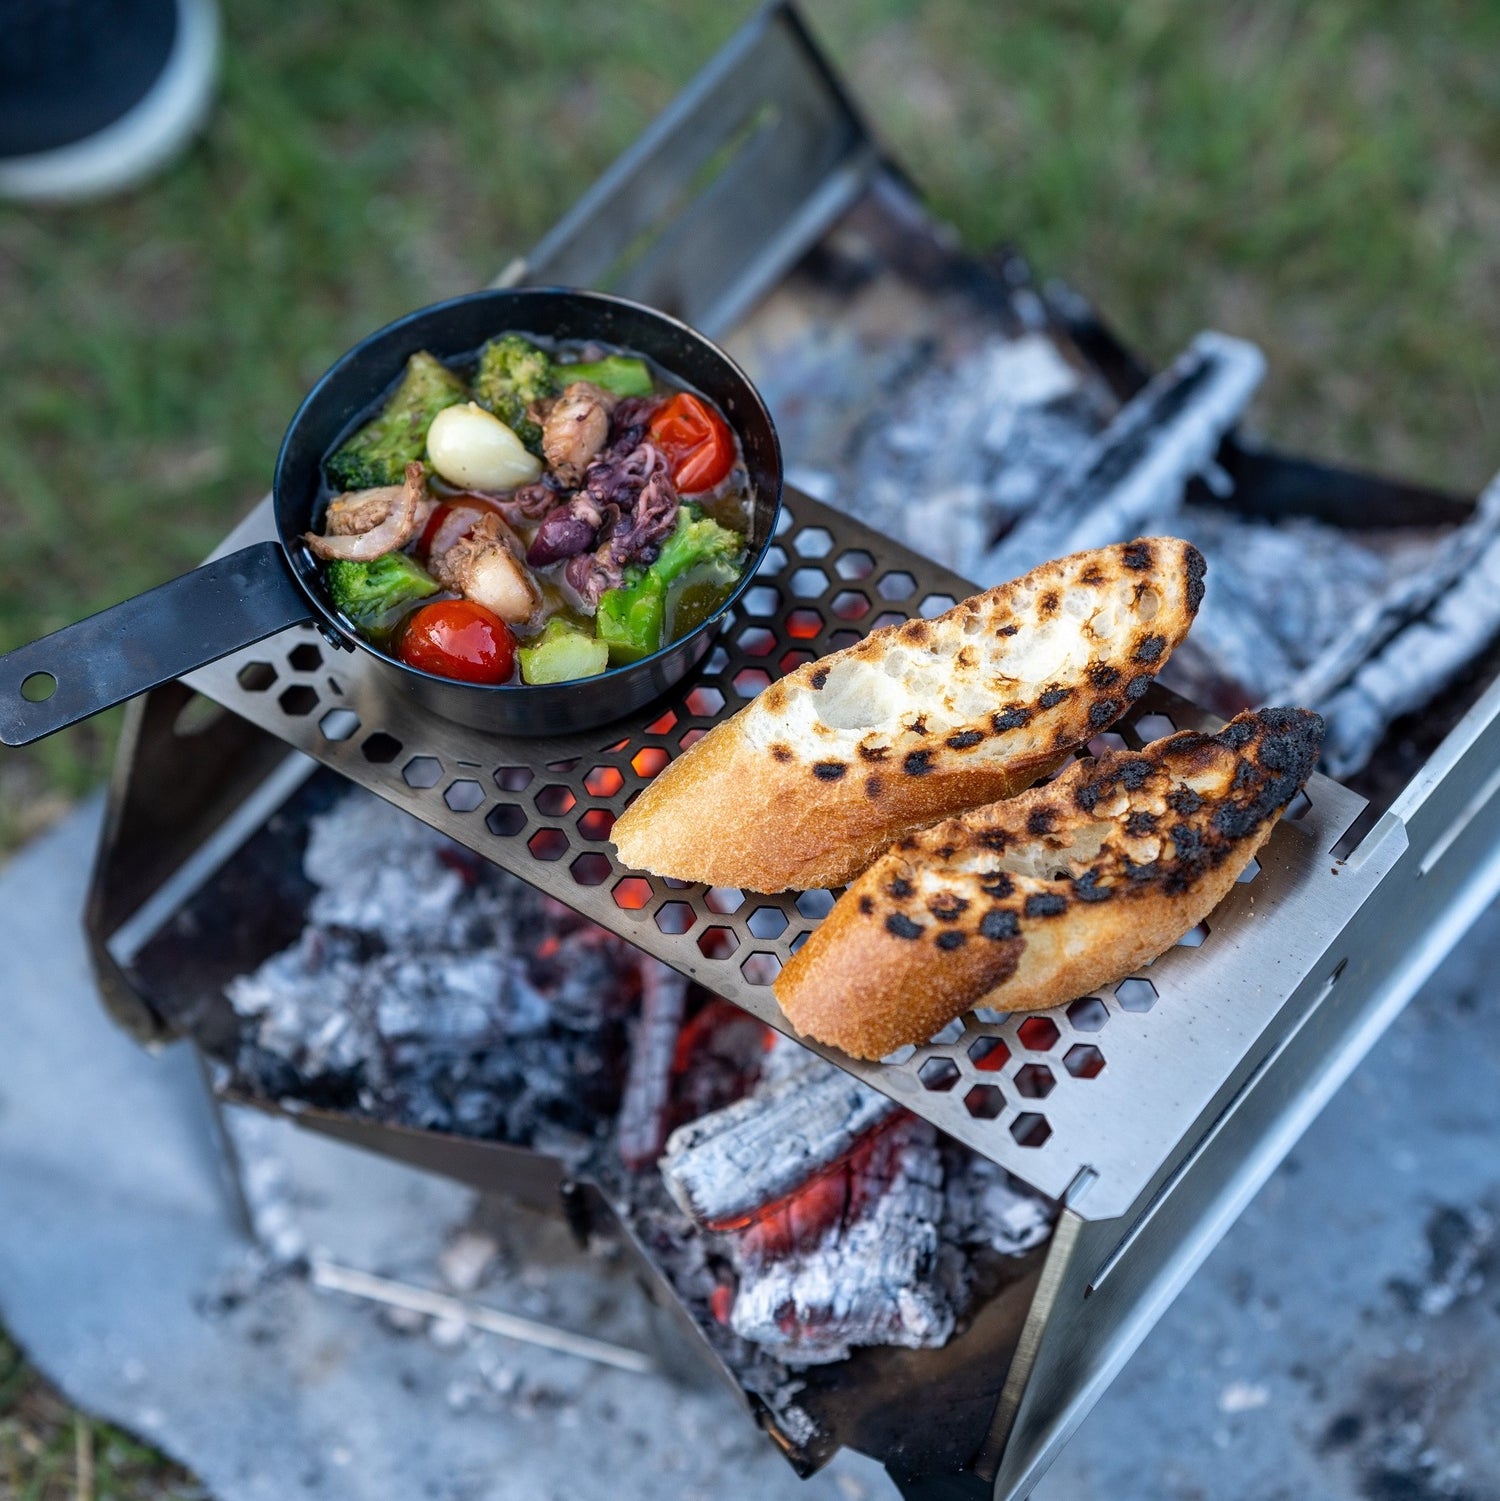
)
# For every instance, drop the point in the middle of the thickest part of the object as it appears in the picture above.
(1151, 1111)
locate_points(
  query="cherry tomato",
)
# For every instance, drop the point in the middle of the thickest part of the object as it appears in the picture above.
(473, 506)
(696, 440)
(456, 638)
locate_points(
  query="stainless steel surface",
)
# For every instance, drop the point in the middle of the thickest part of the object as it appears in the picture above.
(1022, 1090)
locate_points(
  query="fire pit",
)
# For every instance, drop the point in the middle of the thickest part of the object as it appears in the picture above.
(1144, 1116)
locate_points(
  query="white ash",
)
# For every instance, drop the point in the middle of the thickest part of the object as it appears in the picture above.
(408, 996)
(803, 1115)
(953, 454)
(1136, 471)
(1412, 643)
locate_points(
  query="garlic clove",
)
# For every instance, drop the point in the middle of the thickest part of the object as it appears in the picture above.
(475, 450)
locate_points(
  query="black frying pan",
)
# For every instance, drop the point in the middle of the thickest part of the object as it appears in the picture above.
(251, 594)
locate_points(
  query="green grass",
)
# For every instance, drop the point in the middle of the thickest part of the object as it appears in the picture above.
(1322, 176)
(49, 1452)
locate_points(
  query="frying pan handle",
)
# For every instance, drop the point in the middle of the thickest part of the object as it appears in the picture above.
(145, 641)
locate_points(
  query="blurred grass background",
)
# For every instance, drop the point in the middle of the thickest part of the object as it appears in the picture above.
(1323, 178)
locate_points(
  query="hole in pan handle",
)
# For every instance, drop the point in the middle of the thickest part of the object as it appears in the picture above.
(147, 640)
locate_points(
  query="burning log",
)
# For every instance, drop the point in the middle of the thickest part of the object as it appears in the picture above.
(805, 1115)
(866, 1277)
(644, 1105)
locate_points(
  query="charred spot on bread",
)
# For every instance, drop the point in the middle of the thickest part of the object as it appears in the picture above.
(899, 925)
(1049, 602)
(1150, 649)
(1016, 717)
(1137, 686)
(1041, 821)
(964, 740)
(900, 888)
(998, 885)
(918, 726)
(917, 763)
(776, 697)
(994, 839)
(999, 924)
(916, 630)
(1051, 697)
(1093, 576)
(867, 904)
(1106, 711)
(781, 753)
(1196, 569)
(952, 939)
(1135, 773)
(872, 787)
(1134, 872)
(1137, 555)
(1087, 888)
(1046, 904)
(1103, 676)
(1087, 796)
(1184, 800)
(1007, 630)
(1236, 736)
(819, 678)
(1140, 823)
(873, 752)
(829, 771)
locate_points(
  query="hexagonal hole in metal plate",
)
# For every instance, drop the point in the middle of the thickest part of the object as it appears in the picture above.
(897, 585)
(339, 724)
(854, 565)
(305, 658)
(633, 893)
(814, 542)
(380, 748)
(809, 583)
(984, 1102)
(761, 968)
(255, 677)
(513, 778)
(1035, 1081)
(1038, 1033)
(1088, 1014)
(596, 823)
(935, 604)
(298, 700)
(548, 844)
(815, 903)
(756, 641)
(850, 604)
(938, 1074)
(675, 917)
(591, 869)
(422, 771)
(767, 922)
(463, 796)
(724, 899)
(1136, 994)
(803, 624)
(989, 1054)
(1084, 1061)
(505, 819)
(553, 800)
(1030, 1129)
(718, 943)
(704, 701)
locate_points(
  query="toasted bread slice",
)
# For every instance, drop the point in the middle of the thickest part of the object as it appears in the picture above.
(1026, 904)
(828, 767)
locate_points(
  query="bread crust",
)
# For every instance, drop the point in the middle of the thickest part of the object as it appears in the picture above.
(1026, 904)
(808, 784)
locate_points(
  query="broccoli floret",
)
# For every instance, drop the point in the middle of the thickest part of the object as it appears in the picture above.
(698, 539)
(370, 593)
(621, 373)
(697, 567)
(380, 451)
(512, 374)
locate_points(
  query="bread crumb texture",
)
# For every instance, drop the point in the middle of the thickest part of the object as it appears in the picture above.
(1025, 904)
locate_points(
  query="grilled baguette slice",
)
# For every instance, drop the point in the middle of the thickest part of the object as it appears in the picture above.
(1026, 904)
(811, 782)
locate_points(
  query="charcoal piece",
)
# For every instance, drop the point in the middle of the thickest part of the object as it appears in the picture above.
(1138, 468)
(803, 1117)
(868, 1280)
(648, 1083)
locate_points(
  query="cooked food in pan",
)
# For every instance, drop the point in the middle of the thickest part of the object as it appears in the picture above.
(1024, 904)
(829, 766)
(540, 513)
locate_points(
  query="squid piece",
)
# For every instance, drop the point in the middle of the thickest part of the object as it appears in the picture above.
(368, 524)
(576, 428)
(485, 565)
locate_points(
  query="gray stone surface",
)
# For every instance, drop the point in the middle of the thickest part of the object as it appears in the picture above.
(1343, 1342)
